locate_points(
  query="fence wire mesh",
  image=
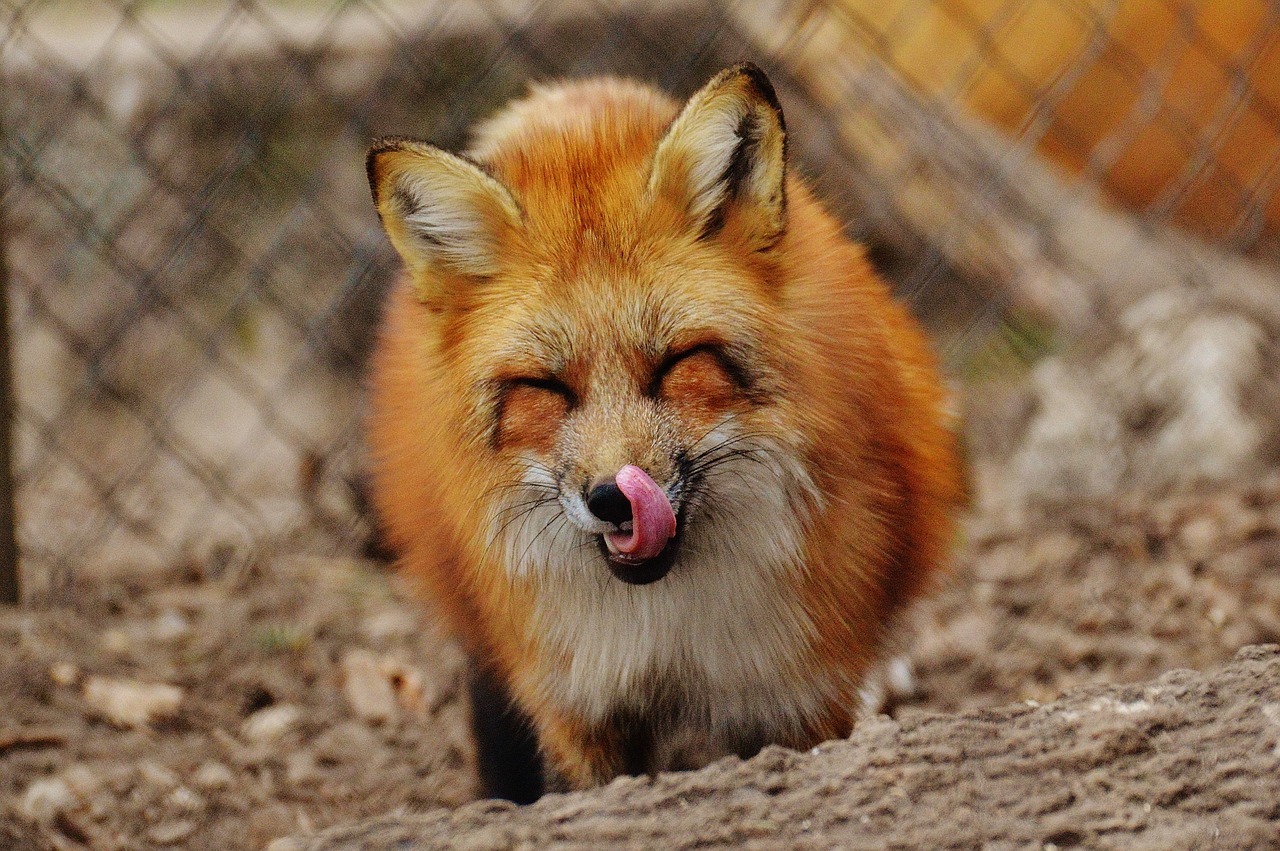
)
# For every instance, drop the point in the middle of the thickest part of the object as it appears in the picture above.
(196, 270)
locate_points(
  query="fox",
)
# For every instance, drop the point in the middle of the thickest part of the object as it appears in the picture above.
(649, 433)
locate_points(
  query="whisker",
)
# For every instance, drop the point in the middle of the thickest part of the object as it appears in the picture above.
(566, 526)
(755, 456)
(538, 535)
(726, 444)
(519, 512)
(513, 486)
(719, 424)
(534, 465)
(537, 496)
(519, 509)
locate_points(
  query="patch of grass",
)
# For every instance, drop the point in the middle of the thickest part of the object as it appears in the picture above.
(1011, 350)
(280, 638)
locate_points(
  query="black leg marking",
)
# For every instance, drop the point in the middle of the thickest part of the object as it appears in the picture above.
(507, 755)
(637, 749)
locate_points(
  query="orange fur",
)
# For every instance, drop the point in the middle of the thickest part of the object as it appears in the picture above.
(624, 282)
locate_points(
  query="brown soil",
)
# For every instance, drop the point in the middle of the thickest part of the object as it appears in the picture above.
(267, 743)
(268, 644)
(1187, 761)
(1111, 592)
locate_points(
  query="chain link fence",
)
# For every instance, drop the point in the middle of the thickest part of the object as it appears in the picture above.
(195, 268)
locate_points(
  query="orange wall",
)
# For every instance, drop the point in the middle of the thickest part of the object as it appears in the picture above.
(1003, 58)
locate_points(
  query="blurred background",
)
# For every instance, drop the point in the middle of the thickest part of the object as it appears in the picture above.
(1078, 198)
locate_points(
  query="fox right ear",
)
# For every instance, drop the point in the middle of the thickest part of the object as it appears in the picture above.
(726, 152)
(441, 212)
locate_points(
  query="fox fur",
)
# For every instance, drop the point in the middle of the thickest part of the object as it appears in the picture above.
(611, 278)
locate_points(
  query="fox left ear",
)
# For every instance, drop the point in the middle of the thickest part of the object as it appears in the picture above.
(725, 154)
(443, 213)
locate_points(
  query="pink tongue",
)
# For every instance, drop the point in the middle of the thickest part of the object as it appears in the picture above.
(653, 522)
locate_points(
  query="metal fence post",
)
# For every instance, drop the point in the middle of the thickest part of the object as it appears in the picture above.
(9, 588)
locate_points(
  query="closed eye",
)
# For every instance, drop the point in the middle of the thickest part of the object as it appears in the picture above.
(545, 383)
(530, 410)
(727, 364)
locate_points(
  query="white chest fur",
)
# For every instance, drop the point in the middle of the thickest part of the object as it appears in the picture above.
(725, 634)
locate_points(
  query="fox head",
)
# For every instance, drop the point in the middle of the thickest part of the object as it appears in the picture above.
(601, 283)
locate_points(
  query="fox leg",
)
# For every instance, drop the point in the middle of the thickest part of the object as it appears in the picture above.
(507, 757)
(580, 757)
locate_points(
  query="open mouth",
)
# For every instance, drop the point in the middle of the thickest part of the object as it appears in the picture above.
(643, 549)
(635, 571)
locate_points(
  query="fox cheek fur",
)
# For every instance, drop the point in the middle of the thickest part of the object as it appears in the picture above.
(654, 438)
(728, 490)
(559, 502)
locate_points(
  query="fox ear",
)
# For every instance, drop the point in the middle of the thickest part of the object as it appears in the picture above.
(726, 153)
(440, 211)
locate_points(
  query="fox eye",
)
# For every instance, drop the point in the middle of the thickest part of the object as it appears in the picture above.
(699, 377)
(531, 410)
(546, 384)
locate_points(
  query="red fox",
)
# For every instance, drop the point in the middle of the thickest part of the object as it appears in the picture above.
(649, 431)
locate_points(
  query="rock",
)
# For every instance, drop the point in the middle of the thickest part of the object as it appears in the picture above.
(116, 641)
(349, 742)
(300, 769)
(268, 725)
(378, 687)
(268, 822)
(155, 774)
(409, 686)
(1180, 391)
(64, 673)
(169, 626)
(213, 775)
(186, 800)
(171, 832)
(82, 780)
(130, 703)
(45, 799)
(21, 737)
(389, 625)
(286, 844)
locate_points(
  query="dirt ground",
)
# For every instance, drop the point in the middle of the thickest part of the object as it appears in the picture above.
(263, 741)
(1185, 762)
(313, 692)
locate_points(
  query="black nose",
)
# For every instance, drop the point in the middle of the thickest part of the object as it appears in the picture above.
(609, 503)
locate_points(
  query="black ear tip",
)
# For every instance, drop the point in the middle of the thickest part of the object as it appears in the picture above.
(379, 146)
(754, 72)
(382, 144)
(759, 81)
(371, 169)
